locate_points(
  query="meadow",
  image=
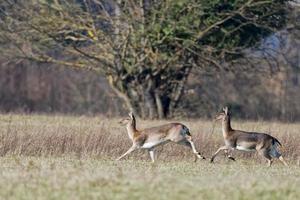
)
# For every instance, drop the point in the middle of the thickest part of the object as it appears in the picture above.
(66, 157)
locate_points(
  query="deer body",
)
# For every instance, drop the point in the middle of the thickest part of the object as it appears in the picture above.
(150, 138)
(266, 145)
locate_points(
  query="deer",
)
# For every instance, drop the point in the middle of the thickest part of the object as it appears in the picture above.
(265, 144)
(150, 138)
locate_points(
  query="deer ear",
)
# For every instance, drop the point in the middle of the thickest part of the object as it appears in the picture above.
(131, 114)
(225, 110)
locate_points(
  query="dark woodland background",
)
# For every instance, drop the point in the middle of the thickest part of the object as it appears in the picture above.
(269, 89)
(39, 88)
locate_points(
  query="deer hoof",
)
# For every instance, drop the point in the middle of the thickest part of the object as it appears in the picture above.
(231, 158)
(200, 156)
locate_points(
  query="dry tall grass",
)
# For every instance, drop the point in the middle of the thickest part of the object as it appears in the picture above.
(100, 137)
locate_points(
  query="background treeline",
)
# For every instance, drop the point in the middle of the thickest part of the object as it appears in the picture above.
(31, 87)
(263, 84)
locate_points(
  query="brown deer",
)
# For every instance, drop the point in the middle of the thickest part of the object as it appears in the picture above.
(264, 144)
(150, 138)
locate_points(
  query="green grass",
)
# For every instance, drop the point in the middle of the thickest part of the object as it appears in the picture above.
(44, 157)
(71, 178)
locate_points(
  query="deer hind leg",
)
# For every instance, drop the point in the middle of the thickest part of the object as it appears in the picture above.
(151, 153)
(274, 153)
(131, 149)
(198, 154)
(266, 154)
(188, 142)
(283, 161)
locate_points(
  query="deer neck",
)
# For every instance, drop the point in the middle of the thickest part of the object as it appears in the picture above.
(226, 127)
(131, 129)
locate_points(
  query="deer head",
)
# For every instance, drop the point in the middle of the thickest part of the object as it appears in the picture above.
(224, 115)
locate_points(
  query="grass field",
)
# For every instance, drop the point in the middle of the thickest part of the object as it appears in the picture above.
(53, 157)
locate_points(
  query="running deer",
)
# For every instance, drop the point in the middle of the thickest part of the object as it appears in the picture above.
(150, 138)
(264, 144)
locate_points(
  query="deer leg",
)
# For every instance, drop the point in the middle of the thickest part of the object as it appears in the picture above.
(266, 155)
(227, 152)
(274, 153)
(196, 158)
(217, 152)
(192, 145)
(188, 144)
(270, 162)
(151, 153)
(283, 161)
(131, 149)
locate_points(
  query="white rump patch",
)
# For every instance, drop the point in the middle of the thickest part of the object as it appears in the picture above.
(241, 148)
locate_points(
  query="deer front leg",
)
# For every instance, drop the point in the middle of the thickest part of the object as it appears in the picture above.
(217, 152)
(227, 152)
(131, 149)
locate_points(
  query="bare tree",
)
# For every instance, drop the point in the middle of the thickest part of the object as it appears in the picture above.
(145, 48)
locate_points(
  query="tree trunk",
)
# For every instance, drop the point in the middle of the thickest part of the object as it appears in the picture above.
(179, 89)
(159, 106)
(149, 103)
(121, 94)
(150, 97)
